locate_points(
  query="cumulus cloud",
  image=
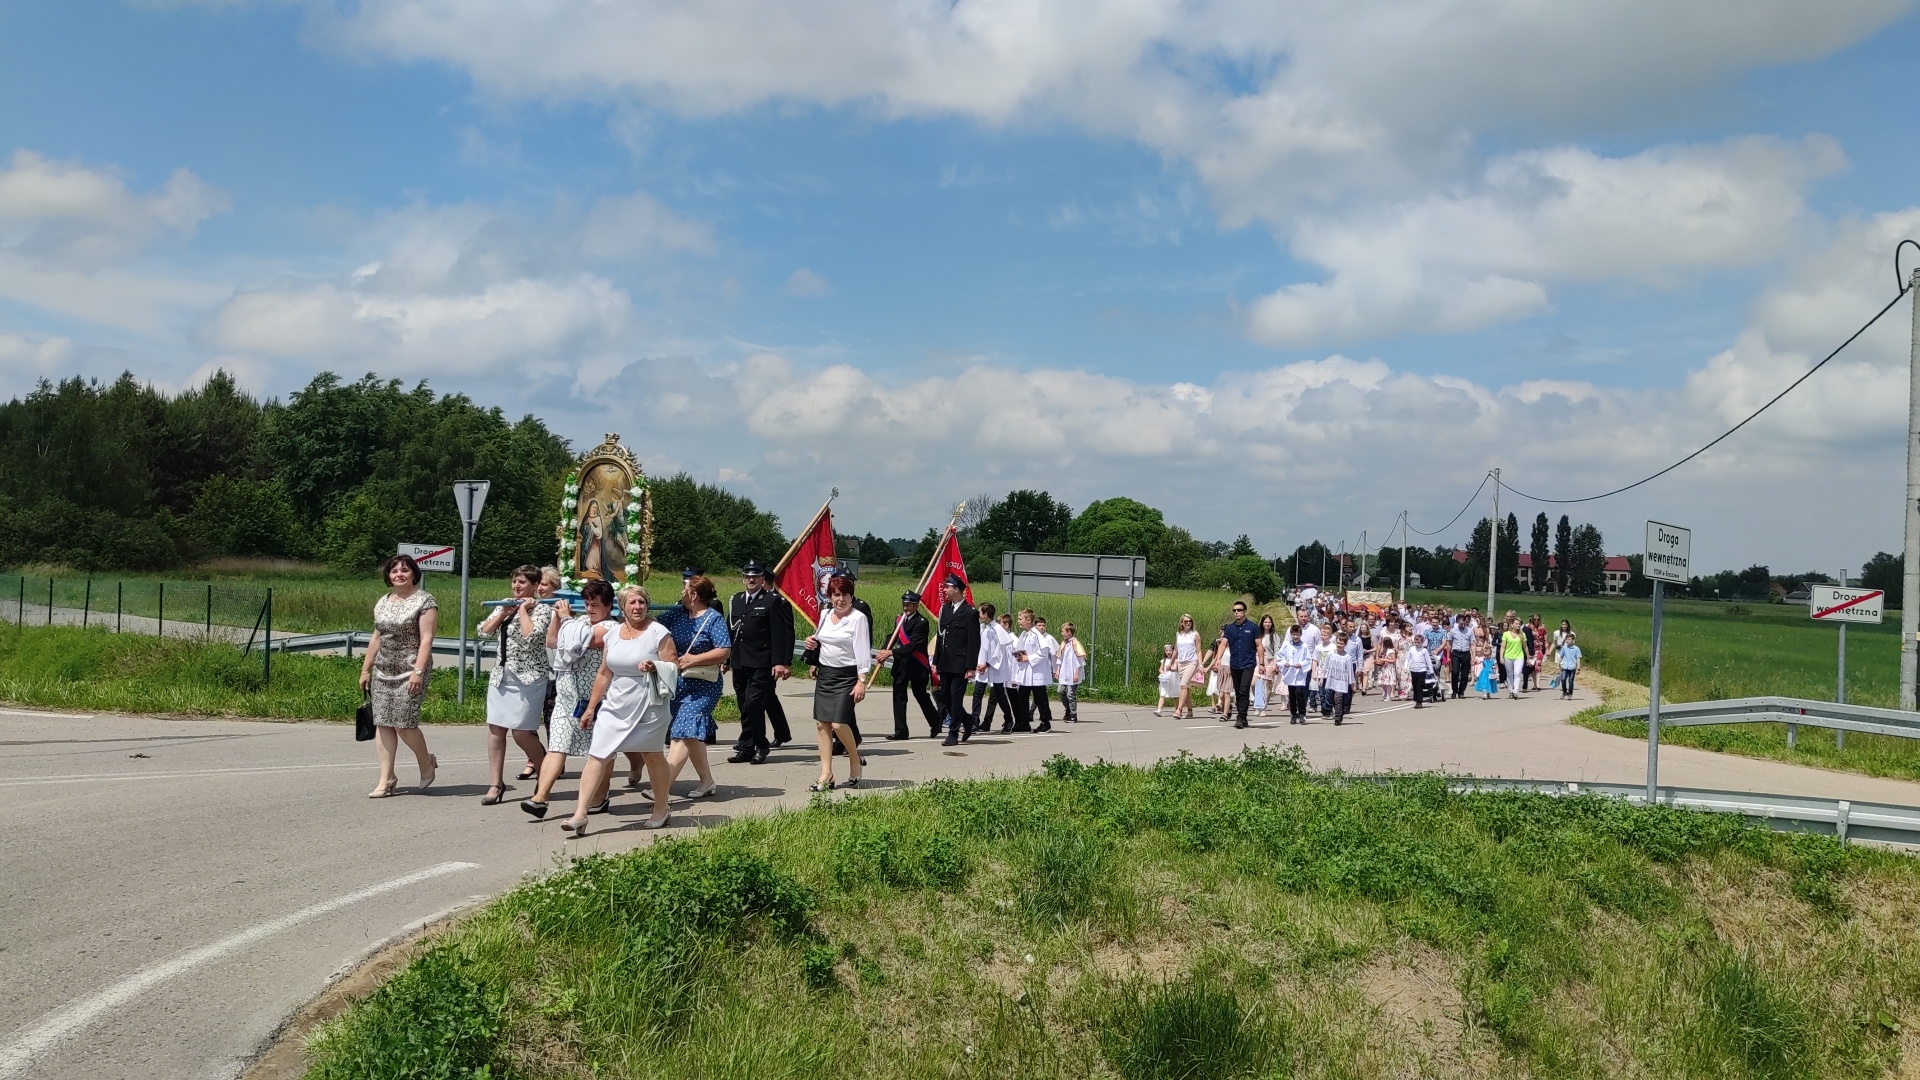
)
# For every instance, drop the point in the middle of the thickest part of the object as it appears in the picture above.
(63, 215)
(804, 282)
(1459, 260)
(1351, 129)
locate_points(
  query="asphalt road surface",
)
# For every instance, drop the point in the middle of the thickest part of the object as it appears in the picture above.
(174, 890)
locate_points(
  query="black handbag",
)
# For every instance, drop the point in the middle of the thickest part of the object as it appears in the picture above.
(363, 720)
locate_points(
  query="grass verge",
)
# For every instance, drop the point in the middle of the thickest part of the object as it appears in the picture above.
(1870, 755)
(1196, 919)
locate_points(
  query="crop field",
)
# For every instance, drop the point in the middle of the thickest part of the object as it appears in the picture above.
(1201, 919)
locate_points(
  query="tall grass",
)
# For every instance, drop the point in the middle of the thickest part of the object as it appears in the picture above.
(1278, 923)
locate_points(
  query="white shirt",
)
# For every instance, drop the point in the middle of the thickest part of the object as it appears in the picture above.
(1309, 636)
(1296, 662)
(1339, 672)
(994, 641)
(1027, 672)
(1049, 651)
(1418, 659)
(845, 642)
(1071, 662)
(1186, 646)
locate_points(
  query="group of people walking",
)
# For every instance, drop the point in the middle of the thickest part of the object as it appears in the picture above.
(617, 677)
(1329, 654)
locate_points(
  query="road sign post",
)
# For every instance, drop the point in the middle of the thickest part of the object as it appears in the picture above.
(470, 496)
(1842, 604)
(1092, 576)
(1667, 557)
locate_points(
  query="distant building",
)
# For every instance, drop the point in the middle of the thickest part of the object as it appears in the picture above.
(1613, 576)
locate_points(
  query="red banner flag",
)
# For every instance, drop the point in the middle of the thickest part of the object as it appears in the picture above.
(946, 560)
(802, 575)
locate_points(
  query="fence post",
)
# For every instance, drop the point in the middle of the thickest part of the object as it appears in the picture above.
(209, 611)
(162, 609)
(266, 654)
(119, 594)
(49, 600)
(86, 605)
(21, 616)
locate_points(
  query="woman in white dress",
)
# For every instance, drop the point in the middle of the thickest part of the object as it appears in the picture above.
(631, 709)
(576, 664)
(518, 687)
(1186, 652)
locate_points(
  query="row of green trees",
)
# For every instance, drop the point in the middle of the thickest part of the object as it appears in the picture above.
(122, 476)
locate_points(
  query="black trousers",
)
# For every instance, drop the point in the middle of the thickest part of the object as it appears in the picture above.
(1422, 689)
(1042, 708)
(1243, 693)
(952, 694)
(1297, 703)
(1462, 672)
(914, 682)
(996, 698)
(1342, 704)
(757, 700)
(1070, 701)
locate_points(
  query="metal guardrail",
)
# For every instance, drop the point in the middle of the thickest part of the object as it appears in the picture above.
(1783, 710)
(357, 641)
(1851, 821)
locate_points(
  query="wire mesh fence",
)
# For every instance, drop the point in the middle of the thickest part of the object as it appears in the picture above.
(240, 615)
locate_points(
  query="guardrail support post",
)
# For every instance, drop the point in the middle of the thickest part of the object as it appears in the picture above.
(1840, 820)
(266, 651)
(1653, 695)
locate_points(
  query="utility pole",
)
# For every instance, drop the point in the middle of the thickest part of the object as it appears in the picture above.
(1910, 579)
(1363, 558)
(1403, 556)
(1493, 545)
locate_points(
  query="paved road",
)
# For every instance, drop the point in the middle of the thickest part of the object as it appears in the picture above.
(175, 889)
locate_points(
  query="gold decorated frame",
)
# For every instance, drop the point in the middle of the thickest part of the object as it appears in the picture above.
(607, 475)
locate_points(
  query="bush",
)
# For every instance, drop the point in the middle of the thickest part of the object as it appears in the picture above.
(436, 1020)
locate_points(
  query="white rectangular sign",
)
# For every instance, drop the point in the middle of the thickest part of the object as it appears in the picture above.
(435, 557)
(1843, 603)
(1669, 553)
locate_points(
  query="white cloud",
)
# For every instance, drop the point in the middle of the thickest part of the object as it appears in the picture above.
(23, 360)
(804, 282)
(64, 215)
(1352, 129)
(1460, 260)
(638, 224)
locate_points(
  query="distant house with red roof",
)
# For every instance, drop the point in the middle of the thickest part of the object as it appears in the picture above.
(1613, 577)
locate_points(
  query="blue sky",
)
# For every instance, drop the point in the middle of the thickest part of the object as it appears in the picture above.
(1284, 272)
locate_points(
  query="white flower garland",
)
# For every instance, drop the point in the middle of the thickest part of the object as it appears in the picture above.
(569, 502)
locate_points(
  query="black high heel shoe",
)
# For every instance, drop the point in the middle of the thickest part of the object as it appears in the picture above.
(493, 796)
(537, 809)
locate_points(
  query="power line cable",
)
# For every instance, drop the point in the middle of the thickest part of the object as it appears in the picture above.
(1751, 416)
(1471, 499)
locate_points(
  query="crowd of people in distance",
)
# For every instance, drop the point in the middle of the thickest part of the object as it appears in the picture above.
(1332, 652)
(617, 677)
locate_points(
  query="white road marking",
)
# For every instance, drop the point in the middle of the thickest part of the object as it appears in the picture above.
(1126, 730)
(46, 715)
(20, 1052)
(78, 778)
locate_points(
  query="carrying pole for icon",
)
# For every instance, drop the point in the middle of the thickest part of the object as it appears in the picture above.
(803, 533)
(926, 582)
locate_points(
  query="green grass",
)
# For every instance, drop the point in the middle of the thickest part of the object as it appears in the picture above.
(62, 667)
(1196, 919)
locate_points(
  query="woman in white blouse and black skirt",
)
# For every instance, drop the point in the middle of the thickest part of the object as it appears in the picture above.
(845, 643)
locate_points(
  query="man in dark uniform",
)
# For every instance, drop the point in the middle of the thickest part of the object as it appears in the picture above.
(907, 648)
(762, 627)
(956, 652)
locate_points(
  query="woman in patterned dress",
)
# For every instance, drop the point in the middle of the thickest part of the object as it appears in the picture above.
(519, 681)
(700, 634)
(394, 672)
(575, 663)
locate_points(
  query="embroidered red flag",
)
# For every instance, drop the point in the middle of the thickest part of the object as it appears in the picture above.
(802, 577)
(946, 561)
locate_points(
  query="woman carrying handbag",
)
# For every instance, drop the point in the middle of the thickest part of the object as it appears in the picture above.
(393, 676)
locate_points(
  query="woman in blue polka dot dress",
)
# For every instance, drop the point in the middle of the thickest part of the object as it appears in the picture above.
(700, 634)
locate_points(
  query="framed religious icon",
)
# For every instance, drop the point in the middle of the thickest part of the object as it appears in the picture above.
(606, 522)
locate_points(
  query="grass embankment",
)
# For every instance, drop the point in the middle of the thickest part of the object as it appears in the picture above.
(1199, 919)
(1871, 755)
(65, 667)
